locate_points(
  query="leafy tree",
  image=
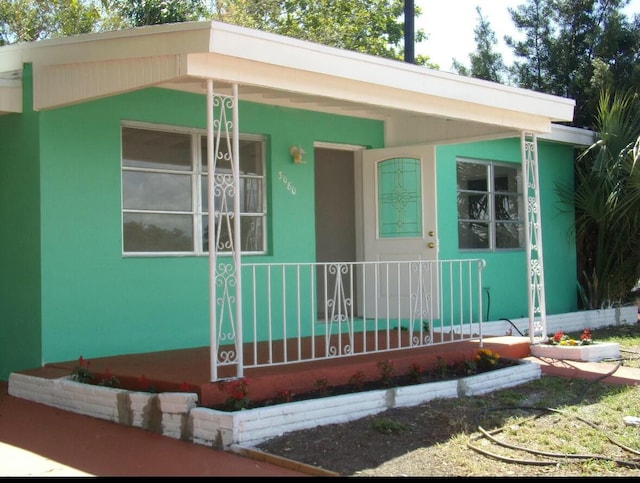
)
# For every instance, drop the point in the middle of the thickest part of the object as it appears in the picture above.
(575, 48)
(137, 13)
(371, 26)
(534, 19)
(485, 62)
(29, 20)
(606, 199)
(616, 59)
(580, 26)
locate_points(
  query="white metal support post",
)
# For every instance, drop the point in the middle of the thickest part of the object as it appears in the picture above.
(225, 304)
(237, 244)
(533, 236)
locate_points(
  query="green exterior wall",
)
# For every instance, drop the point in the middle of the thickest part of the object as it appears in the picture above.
(20, 339)
(504, 278)
(66, 289)
(95, 301)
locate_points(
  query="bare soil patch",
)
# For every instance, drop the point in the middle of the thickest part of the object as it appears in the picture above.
(445, 437)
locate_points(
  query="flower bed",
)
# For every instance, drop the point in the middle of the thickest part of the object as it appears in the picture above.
(595, 352)
(249, 427)
(563, 347)
(176, 415)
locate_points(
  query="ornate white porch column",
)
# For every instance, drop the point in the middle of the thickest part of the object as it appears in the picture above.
(533, 236)
(225, 287)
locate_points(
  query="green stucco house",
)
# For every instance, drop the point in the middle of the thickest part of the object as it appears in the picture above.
(350, 193)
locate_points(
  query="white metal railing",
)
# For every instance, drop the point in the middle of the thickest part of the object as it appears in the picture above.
(300, 312)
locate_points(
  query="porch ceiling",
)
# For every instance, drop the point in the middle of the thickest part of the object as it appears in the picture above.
(418, 105)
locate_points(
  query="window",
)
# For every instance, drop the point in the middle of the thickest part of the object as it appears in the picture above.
(165, 197)
(490, 211)
(399, 198)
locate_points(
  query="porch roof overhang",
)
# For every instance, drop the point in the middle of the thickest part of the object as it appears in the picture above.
(418, 105)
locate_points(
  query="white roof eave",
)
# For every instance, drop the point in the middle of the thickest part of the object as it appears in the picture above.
(74, 69)
(11, 91)
(285, 52)
(575, 136)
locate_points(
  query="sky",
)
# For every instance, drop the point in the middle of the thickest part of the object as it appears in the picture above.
(449, 25)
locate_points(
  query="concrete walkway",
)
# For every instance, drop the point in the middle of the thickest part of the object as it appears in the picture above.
(38, 440)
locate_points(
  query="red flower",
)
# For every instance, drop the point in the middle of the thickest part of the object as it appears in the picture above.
(238, 389)
(144, 383)
(586, 334)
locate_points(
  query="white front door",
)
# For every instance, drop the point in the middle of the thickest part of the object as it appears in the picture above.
(399, 224)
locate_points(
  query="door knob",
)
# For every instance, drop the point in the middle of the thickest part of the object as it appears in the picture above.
(431, 244)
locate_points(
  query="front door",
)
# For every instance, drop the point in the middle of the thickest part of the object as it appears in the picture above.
(399, 224)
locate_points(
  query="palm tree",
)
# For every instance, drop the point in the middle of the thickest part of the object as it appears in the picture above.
(606, 200)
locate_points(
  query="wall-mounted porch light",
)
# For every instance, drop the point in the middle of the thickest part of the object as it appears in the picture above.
(297, 154)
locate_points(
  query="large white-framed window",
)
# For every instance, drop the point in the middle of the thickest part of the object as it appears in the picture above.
(164, 191)
(490, 208)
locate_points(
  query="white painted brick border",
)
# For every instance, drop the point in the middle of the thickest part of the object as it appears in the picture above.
(499, 379)
(570, 322)
(592, 352)
(175, 414)
(145, 411)
(176, 408)
(129, 408)
(407, 396)
(63, 393)
(251, 427)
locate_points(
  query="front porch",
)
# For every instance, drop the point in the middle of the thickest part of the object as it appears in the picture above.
(169, 370)
(177, 370)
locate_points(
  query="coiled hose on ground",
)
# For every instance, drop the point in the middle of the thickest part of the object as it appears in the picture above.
(560, 457)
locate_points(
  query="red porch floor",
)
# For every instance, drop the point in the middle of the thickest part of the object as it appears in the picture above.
(189, 368)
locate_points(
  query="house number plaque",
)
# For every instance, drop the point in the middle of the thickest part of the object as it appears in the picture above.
(290, 186)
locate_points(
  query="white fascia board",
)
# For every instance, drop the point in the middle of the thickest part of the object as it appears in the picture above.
(569, 135)
(245, 72)
(12, 57)
(11, 91)
(141, 42)
(319, 59)
(10, 98)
